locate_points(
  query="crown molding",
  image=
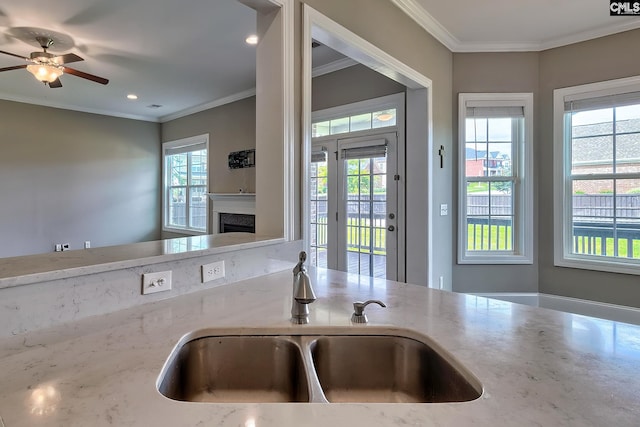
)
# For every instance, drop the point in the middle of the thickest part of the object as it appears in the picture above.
(428, 22)
(440, 33)
(317, 71)
(591, 34)
(338, 65)
(44, 103)
(208, 105)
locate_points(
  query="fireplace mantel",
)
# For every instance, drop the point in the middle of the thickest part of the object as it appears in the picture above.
(233, 203)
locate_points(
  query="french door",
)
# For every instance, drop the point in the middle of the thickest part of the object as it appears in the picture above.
(354, 204)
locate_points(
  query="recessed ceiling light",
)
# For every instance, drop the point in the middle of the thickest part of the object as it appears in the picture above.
(252, 39)
(132, 96)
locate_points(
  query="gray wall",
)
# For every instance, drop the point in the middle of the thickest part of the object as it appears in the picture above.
(387, 27)
(596, 60)
(231, 127)
(350, 85)
(68, 177)
(605, 58)
(493, 72)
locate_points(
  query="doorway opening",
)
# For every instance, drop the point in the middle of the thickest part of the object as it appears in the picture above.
(414, 249)
(354, 190)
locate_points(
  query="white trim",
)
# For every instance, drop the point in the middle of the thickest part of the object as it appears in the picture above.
(45, 103)
(590, 34)
(428, 22)
(603, 310)
(209, 105)
(307, 122)
(523, 245)
(317, 26)
(562, 240)
(184, 142)
(350, 44)
(331, 67)
(289, 161)
(420, 15)
(395, 100)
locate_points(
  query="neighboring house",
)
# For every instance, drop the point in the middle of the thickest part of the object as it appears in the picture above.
(483, 163)
(594, 151)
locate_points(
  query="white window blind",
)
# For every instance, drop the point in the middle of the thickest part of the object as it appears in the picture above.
(494, 112)
(377, 148)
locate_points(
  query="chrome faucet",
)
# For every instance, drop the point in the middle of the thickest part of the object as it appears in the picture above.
(358, 315)
(303, 294)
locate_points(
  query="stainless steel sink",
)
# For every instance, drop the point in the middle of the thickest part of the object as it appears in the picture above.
(323, 365)
(385, 368)
(236, 369)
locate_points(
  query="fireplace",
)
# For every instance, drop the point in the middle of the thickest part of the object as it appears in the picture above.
(233, 222)
(233, 212)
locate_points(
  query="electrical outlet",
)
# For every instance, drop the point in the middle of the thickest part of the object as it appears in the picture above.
(87, 244)
(212, 271)
(58, 247)
(156, 282)
(441, 282)
(444, 209)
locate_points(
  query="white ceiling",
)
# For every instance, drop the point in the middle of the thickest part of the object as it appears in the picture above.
(515, 25)
(186, 56)
(169, 52)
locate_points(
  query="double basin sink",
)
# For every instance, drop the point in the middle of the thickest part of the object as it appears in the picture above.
(321, 365)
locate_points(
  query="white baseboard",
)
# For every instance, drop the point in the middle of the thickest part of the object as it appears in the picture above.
(618, 313)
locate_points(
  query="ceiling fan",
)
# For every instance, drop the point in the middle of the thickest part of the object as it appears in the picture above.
(48, 68)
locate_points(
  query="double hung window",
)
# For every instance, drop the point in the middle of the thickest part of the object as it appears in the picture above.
(185, 185)
(496, 189)
(597, 176)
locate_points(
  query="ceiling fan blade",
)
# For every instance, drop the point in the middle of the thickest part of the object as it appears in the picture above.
(54, 84)
(13, 54)
(15, 67)
(67, 58)
(87, 76)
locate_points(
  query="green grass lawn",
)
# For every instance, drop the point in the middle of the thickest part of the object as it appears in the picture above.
(484, 238)
(478, 187)
(596, 247)
(501, 241)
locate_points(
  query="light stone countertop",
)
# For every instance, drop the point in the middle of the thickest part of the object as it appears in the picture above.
(24, 270)
(538, 367)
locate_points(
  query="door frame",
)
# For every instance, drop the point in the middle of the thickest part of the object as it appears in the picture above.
(396, 101)
(418, 261)
(342, 223)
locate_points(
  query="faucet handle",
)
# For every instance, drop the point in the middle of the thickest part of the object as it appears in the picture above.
(358, 315)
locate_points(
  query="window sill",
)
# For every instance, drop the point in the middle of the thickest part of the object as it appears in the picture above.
(495, 260)
(185, 231)
(608, 266)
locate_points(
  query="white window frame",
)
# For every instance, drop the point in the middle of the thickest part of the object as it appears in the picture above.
(562, 168)
(185, 142)
(522, 169)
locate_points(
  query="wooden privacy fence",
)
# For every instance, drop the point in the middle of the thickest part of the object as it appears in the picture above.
(596, 230)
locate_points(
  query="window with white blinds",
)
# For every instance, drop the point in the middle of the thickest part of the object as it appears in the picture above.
(496, 188)
(185, 183)
(597, 176)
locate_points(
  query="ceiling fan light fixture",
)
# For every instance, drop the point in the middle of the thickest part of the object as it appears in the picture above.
(45, 72)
